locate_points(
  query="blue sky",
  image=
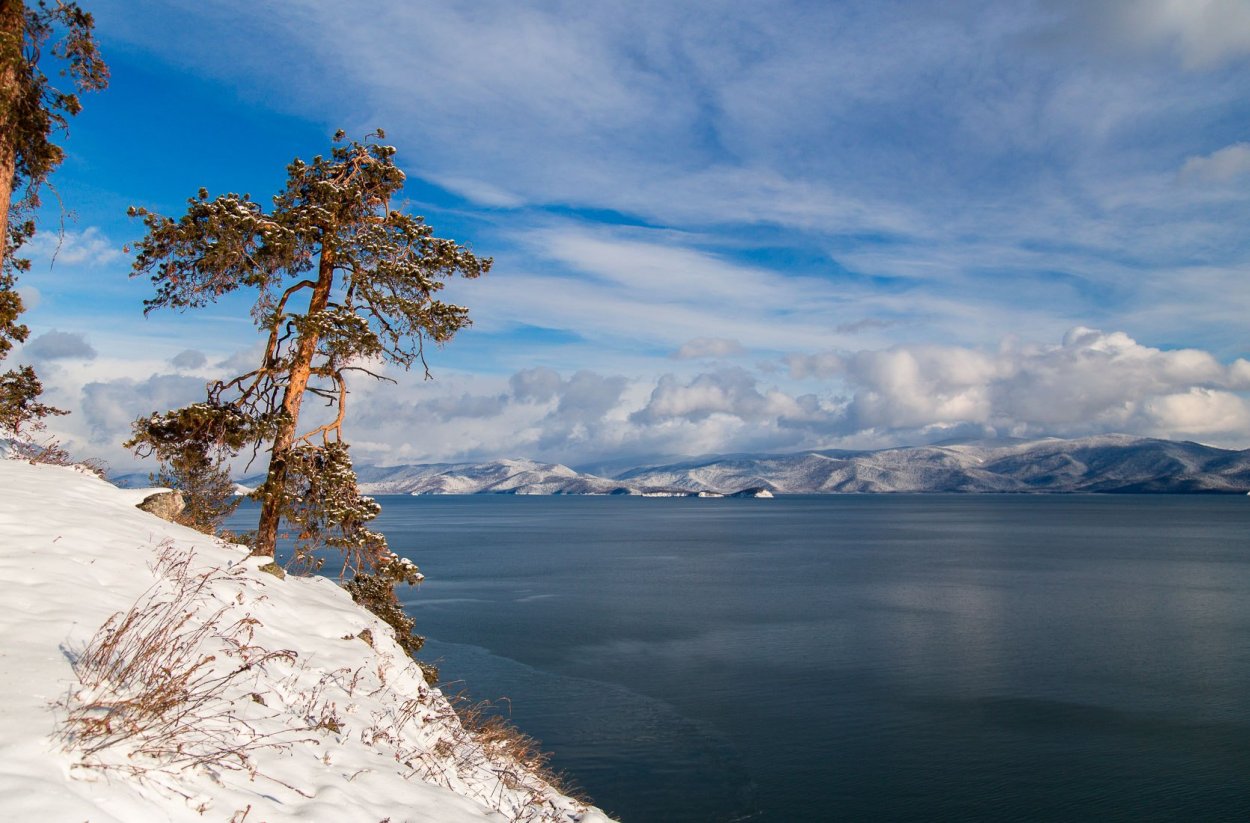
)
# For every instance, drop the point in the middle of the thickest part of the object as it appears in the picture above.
(717, 226)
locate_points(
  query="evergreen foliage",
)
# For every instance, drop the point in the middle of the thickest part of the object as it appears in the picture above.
(194, 444)
(21, 413)
(342, 281)
(31, 107)
(31, 110)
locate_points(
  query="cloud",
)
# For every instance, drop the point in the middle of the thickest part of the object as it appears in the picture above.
(73, 248)
(1091, 382)
(109, 407)
(704, 347)
(1198, 412)
(1203, 33)
(31, 297)
(59, 345)
(862, 325)
(537, 385)
(586, 397)
(825, 364)
(729, 392)
(1094, 381)
(1219, 166)
(465, 406)
(189, 359)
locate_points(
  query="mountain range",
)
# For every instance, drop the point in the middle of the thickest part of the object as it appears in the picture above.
(1105, 463)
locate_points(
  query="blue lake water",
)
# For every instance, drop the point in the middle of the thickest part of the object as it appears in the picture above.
(893, 657)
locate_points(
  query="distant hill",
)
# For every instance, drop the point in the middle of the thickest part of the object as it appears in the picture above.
(1107, 464)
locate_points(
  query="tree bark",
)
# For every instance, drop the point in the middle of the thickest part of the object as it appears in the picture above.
(12, 32)
(301, 370)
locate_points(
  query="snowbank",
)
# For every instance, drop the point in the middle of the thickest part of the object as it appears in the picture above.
(290, 702)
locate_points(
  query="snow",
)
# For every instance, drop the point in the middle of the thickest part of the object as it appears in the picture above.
(323, 716)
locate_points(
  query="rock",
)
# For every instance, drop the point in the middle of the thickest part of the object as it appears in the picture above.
(274, 569)
(165, 505)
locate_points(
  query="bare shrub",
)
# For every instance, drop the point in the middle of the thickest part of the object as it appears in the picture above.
(501, 740)
(151, 681)
(473, 739)
(51, 453)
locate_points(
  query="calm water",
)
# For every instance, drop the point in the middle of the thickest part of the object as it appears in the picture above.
(856, 657)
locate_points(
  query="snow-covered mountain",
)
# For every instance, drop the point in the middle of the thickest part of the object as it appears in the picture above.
(496, 477)
(153, 673)
(1106, 463)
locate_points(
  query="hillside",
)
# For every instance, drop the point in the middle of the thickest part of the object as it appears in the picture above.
(223, 692)
(1106, 464)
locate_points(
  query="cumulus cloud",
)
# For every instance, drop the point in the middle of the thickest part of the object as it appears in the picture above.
(1198, 412)
(1219, 166)
(866, 324)
(587, 396)
(824, 364)
(1092, 381)
(87, 247)
(31, 297)
(732, 392)
(701, 347)
(536, 385)
(465, 406)
(189, 359)
(109, 407)
(59, 345)
(1202, 33)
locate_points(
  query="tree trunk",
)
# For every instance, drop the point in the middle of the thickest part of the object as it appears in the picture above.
(12, 31)
(301, 370)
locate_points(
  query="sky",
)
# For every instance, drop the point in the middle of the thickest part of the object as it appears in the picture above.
(716, 226)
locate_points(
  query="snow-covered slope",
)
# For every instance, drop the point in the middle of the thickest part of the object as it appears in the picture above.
(497, 477)
(1107, 463)
(290, 703)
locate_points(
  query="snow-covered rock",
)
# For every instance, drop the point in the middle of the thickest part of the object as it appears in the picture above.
(294, 704)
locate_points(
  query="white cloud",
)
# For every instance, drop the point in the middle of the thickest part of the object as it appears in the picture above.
(31, 297)
(72, 248)
(1093, 381)
(1199, 412)
(109, 407)
(58, 345)
(1220, 166)
(705, 347)
(1205, 32)
(189, 359)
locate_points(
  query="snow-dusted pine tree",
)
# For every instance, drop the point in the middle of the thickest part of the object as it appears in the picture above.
(341, 280)
(31, 110)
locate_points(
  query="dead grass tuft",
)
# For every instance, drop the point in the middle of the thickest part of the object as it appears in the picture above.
(152, 683)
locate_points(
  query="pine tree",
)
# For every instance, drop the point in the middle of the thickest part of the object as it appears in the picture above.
(31, 110)
(341, 280)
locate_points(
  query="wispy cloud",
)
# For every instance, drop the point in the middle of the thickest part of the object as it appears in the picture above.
(900, 197)
(1219, 166)
(88, 247)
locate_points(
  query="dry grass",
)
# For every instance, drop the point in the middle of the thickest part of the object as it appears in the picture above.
(502, 740)
(171, 683)
(151, 683)
(52, 453)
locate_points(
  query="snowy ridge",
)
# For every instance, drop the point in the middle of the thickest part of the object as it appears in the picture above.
(1104, 463)
(302, 705)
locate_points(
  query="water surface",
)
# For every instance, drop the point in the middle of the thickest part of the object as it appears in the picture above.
(893, 657)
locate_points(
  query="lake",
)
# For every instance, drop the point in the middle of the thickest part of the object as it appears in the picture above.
(860, 657)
